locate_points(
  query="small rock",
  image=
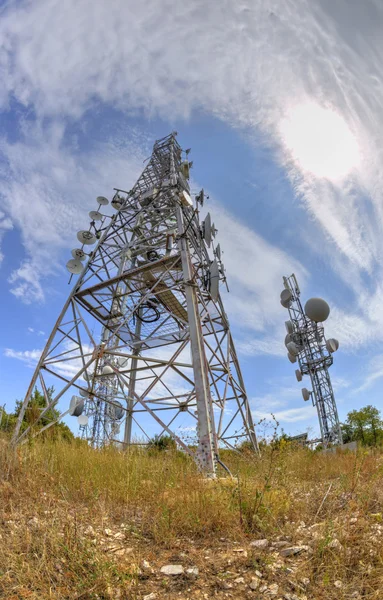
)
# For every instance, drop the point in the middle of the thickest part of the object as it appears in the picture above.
(280, 544)
(261, 544)
(353, 520)
(226, 585)
(305, 581)
(119, 535)
(263, 588)
(108, 532)
(240, 551)
(338, 584)
(258, 574)
(151, 596)
(273, 589)
(172, 570)
(145, 564)
(293, 550)
(239, 580)
(254, 583)
(193, 571)
(335, 544)
(89, 530)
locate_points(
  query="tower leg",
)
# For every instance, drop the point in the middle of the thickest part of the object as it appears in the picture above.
(206, 446)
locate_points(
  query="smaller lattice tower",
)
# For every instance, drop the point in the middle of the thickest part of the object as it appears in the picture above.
(306, 344)
(143, 340)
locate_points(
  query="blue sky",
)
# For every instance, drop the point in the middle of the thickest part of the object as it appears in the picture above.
(281, 104)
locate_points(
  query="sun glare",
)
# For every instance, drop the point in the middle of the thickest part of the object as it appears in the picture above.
(320, 141)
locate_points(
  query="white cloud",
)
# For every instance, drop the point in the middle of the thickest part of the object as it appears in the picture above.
(30, 357)
(374, 373)
(48, 188)
(256, 72)
(290, 415)
(5, 225)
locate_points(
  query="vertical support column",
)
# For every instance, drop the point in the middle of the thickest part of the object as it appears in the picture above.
(206, 447)
(132, 385)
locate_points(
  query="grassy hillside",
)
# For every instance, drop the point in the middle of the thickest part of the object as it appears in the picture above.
(79, 523)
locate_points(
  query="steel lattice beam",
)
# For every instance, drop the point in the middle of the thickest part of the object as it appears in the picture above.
(142, 333)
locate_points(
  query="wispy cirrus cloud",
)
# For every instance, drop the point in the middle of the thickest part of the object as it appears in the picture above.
(256, 76)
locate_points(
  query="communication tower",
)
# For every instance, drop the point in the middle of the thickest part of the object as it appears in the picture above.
(143, 340)
(306, 343)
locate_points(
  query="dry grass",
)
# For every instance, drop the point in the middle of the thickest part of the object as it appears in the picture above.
(155, 506)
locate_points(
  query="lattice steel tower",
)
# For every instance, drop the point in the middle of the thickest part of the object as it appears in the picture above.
(143, 337)
(306, 343)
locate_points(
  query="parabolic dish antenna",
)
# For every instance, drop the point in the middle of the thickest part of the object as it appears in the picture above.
(214, 280)
(74, 266)
(84, 393)
(115, 410)
(293, 348)
(116, 203)
(286, 297)
(86, 237)
(298, 375)
(83, 420)
(76, 406)
(78, 254)
(332, 345)
(292, 359)
(107, 370)
(306, 394)
(102, 200)
(218, 252)
(207, 229)
(289, 326)
(317, 309)
(95, 215)
(288, 339)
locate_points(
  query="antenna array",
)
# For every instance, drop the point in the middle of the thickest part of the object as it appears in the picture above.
(306, 344)
(143, 340)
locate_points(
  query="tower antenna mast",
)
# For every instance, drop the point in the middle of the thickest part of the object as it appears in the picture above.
(306, 344)
(143, 342)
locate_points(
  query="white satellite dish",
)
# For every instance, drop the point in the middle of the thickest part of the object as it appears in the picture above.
(95, 215)
(291, 357)
(214, 280)
(86, 237)
(206, 228)
(78, 254)
(83, 420)
(76, 406)
(74, 266)
(107, 370)
(289, 326)
(115, 411)
(317, 309)
(286, 297)
(288, 339)
(306, 394)
(218, 252)
(102, 200)
(214, 231)
(298, 375)
(84, 393)
(117, 202)
(332, 345)
(293, 348)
